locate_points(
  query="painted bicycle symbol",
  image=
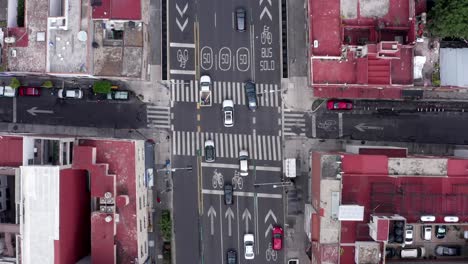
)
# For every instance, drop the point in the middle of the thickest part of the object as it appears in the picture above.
(218, 179)
(237, 181)
(266, 36)
(182, 57)
(271, 254)
(327, 125)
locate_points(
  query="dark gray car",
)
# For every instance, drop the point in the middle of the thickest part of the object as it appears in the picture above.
(231, 257)
(228, 194)
(251, 94)
(241, 15)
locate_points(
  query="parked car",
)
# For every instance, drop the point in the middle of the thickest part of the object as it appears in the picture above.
(241, 17)
(231, 256)
(228, 194)
(440, 231)
(426, 232)
(277, 235)
(70, 93)
(228, 113)
(249, 246)
(335, 104)
(413, 252)
(251, 94)
(29, 91)
(119, 95)
(210, 152)
(243, 163)
(409, 235)
(448, 250)
(7, 91)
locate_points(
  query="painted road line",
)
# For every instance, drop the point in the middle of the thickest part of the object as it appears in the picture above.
(280, 147)
(181, 45)
(245, 194)
(340, 124)
(182, 72)
(236, 166)
(314, 126)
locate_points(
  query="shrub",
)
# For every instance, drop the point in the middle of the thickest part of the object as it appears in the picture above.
(102, 87)
(165, 225)
(15, 83)
(47, 84)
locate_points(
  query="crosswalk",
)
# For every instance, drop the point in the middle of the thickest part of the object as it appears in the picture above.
(260, 147)
(158, 116)
(294, 123)
(187, 91)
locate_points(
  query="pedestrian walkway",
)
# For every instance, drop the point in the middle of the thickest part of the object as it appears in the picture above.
(158, 116)
(260, 147)
(294, 123)
(187, 91)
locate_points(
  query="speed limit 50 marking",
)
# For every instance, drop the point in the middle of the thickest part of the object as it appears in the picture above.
(224, 59)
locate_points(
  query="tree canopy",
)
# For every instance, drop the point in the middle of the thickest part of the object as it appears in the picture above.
(102, 87)
(449, 19)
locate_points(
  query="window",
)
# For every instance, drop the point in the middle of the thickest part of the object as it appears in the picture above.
(141, 226)
(144, 200)
(144, 222)
(146, 248)
(139, 202)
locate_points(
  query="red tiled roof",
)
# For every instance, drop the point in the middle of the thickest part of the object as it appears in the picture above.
(118, 9)
(382, 229)
(11, 154)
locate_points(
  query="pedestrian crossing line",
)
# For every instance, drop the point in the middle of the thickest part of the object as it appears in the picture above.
(294, 124)
(188, 91)
(186, 143)
(158, 116)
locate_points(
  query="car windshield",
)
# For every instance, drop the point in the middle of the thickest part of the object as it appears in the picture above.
(277, 235)
(209, 152)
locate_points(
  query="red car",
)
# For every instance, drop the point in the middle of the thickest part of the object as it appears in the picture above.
(339, 105)
(29, 91)
(277, 238)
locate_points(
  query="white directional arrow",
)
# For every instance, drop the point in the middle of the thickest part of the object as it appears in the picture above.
(230, 216)
(181, 27)
(33, 111)
(181, 12)
(212, 215)
(270, 213)
(268, 230)
(269, 1)
(265, 10)
(362, 127)
(246, 216)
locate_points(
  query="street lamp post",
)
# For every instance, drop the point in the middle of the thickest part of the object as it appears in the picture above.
(275, 184)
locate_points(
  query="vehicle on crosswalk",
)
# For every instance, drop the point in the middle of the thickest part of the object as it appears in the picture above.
(249, 246)
(243, 163)
(205, 90)
(228, 113)
(251, 94)
(7, 91)
(210, 153)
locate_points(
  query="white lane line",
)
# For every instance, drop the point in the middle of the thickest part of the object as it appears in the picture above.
(245, 194)
(182, 72)
(196, 92)
(174, 143)
(340, 124)
(314, 127)
(215, 19)
(181, 45)
(192, 89)
(236, 166)
(221, 232)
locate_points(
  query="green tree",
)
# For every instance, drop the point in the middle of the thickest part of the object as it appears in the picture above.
(165, 225)
(449, 19)
(103, 87)
(47, 84)
(15, 83)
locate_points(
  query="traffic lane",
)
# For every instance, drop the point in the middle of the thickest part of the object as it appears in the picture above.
(185, 212)
(270, 214)
(267, 120)
(326, 125)
(245, 221)
(185, 116)
(212, 221)
(81, 113)
(212, 120)
(6, 109)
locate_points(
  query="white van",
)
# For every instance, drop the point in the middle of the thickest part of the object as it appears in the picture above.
(412, 252)
(7, 91)
(426, 232)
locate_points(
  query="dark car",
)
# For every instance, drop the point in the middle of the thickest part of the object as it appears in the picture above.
(29, 91)
(231, 256)
(118, 95)
(440, 231)
(228, 193)
(251, 94)
(241, 15)
(448, 250)
(335, 104)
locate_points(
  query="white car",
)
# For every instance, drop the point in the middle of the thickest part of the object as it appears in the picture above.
(70, 93)
(228, 113)
(409, 235)
(249, 246)
(243, 163)
(7, 91)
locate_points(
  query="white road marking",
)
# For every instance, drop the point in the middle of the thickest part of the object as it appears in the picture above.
(314, 126)
(181, 45)
(182, 72)
(236, 166)
(244, 194)
(340, 124)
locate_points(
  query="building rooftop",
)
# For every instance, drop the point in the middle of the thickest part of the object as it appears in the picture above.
(12, 151)
(117, 9)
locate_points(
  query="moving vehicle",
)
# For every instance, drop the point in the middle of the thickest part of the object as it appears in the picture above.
(426, 232)
(228, 194)
(412, 252)
(241, 16)
(440, 231)
(70, 93)
(205, 90)
(29, 91)
(409, 235)
(231, 256)
(243, 163)
(119, 95)
(447, 250)
(277, 235)
(228, 113)
(249, 246)
(210, 153)
(251, 94)
(335, 104)
(7, 91)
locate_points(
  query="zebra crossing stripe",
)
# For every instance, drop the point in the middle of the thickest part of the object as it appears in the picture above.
(274, 148)
(280, 148)
(174, 142)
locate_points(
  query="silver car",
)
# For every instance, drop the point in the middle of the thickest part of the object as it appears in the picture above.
(228, 113)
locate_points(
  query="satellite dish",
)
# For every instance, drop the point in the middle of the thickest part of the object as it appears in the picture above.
(82, 36)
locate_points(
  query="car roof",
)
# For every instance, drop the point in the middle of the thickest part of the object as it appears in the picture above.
(227, 103)
(205, 78)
